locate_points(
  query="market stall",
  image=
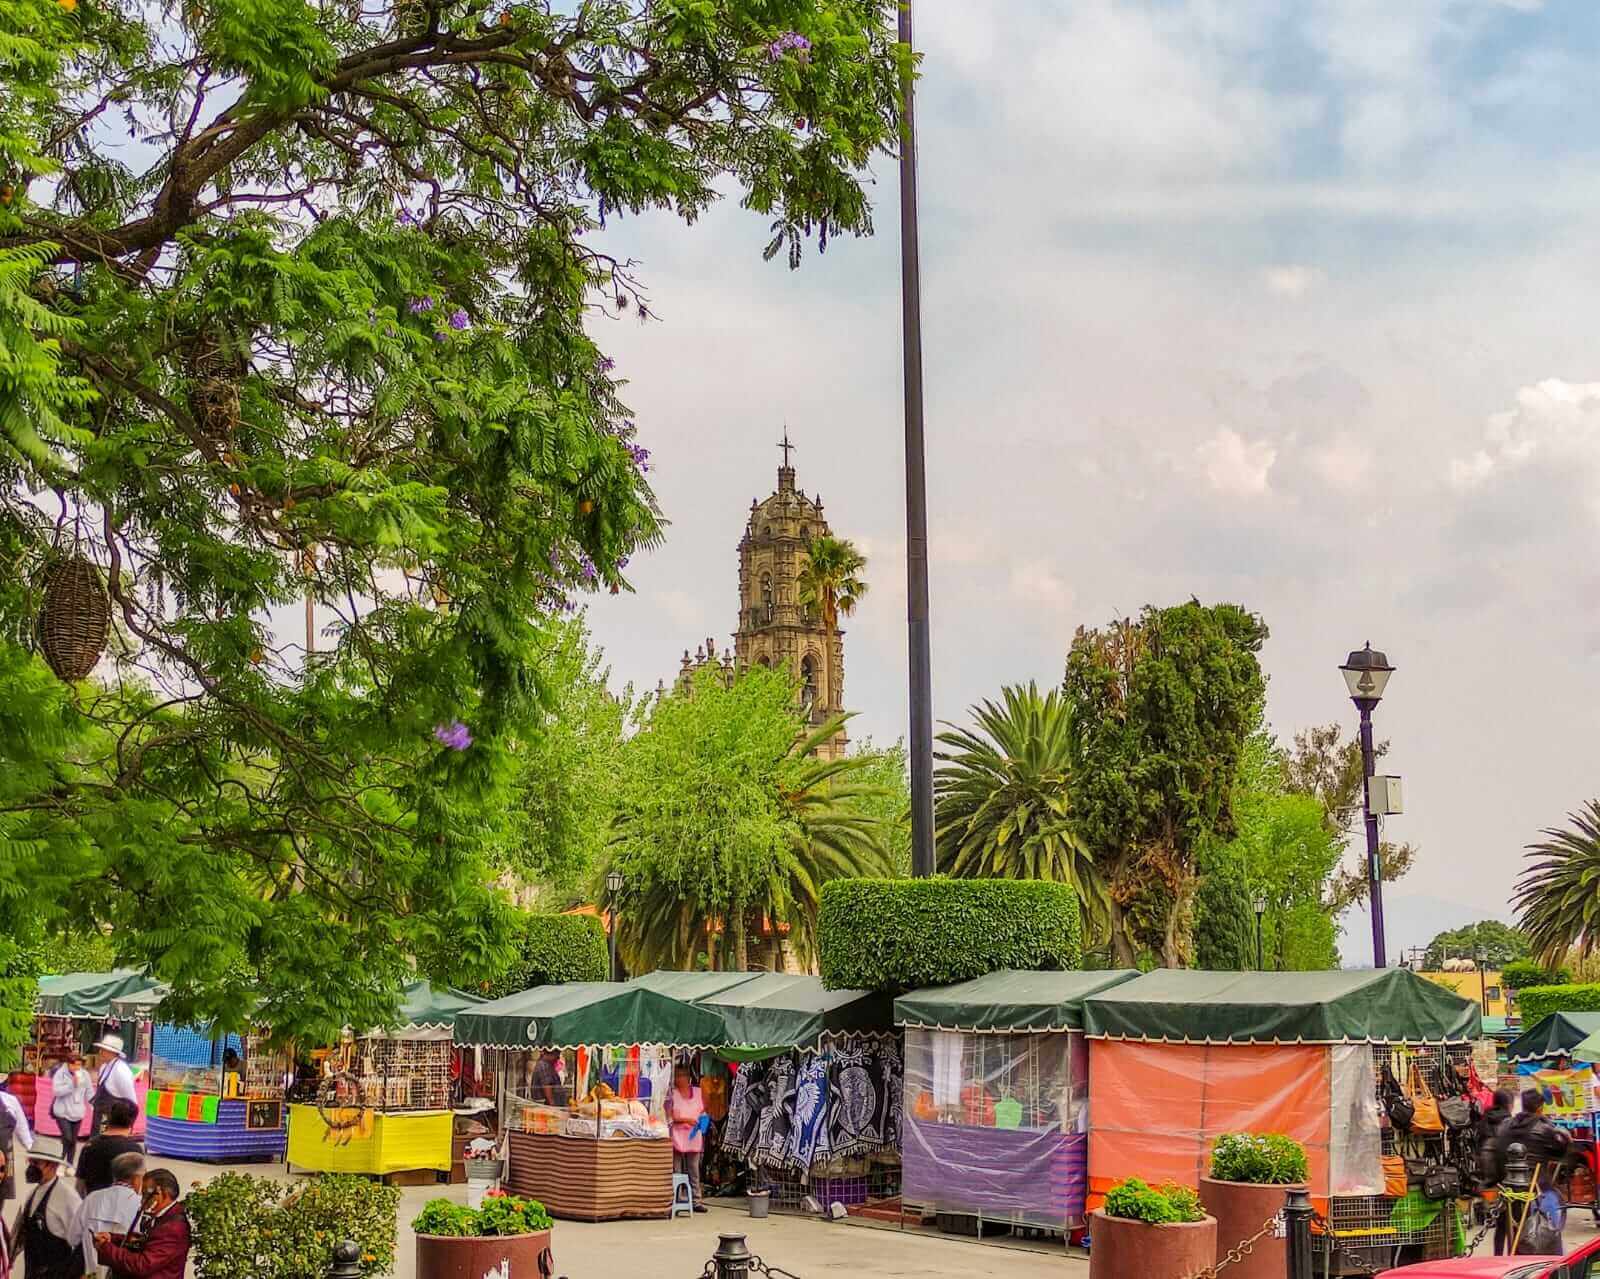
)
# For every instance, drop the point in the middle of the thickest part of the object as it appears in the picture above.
(384, 1106)
(585, 1149)
(1551, 1040)
(805, 1096)
(72, 1012)
(212, 1097)
(1178, 1057)
(996, 1088)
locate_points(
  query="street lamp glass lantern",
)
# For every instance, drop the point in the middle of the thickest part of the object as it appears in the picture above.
(1261, 903)
(1366, 674)
(614, 882)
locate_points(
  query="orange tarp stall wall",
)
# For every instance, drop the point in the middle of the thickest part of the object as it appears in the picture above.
(1155, 1109)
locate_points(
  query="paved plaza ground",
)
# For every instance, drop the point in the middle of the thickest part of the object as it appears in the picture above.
(807, 1248)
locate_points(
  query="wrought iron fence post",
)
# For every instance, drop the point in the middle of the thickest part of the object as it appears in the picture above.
(346, 1260)
(732, 1257)
(1297, 1220)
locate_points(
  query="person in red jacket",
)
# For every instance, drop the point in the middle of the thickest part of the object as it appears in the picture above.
(158, 1245)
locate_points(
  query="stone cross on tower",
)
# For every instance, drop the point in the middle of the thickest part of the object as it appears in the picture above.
(786, 446)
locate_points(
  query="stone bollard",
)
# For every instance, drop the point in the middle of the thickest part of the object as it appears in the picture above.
(346, 1260)
(732, 1257)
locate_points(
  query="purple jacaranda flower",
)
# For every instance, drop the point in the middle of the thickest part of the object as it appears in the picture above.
(459, 320)
(455, 735)
(623, 562)
(440, 336)
(604, 364)
(640, 456)
(586, 568)
(787, 41)
(419, 305)
(405, 218)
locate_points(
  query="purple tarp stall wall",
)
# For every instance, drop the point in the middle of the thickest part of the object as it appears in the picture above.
(995, 1125)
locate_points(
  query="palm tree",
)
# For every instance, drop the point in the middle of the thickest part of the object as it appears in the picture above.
(830, 578)
(1002, 797)
(833, 833)
(1557, 902)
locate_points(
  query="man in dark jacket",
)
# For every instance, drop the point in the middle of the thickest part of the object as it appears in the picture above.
(1489, 1125)
(158, 1245)
(1546, 1145)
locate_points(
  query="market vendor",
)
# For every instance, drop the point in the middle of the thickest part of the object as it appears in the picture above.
(113, 1081)
(686, 1110)
(546, 1081)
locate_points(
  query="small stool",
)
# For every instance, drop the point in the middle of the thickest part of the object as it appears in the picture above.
(682, 1196)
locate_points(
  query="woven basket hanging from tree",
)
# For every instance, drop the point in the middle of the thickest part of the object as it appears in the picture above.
(214, 371)
(75, 619)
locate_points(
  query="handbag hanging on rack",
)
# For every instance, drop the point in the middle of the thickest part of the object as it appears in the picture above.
(1425, 1116)
(1396, 1105)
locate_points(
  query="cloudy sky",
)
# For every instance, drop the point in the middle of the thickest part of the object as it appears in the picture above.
(1284, 302)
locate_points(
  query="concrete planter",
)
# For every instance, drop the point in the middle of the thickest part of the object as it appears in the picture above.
(503, 1256)
(1121, 1248)
(1240, 1208)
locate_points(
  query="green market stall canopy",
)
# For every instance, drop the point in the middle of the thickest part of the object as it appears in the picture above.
(1386, 1005)
(424, 1006)
(1007, 1002)
(88, 994)
(1555, 1035)
(766, 1013)
(691, 987)
(582, 1013)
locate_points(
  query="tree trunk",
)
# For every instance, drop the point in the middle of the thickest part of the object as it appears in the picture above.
(741, 949)
(777, 950)
(1122, 950)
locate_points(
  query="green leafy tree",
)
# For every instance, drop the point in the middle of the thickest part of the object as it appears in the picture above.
(1557, 906)
(1003, 797)
(1162, 706)
(725, 817)
(1328, 768)
(567, 771)
(830, 578)
(1224, 916)
(886, 775)
(1498, 943)
(293, 304)
(1519, 974)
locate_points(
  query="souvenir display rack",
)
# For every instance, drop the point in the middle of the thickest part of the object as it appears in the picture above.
(199, 1109)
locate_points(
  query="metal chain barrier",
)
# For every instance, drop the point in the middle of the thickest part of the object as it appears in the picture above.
(1242, 1249)
(733, 1260)
(1351, 1263)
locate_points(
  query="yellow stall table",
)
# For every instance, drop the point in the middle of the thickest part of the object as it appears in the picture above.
(396, 1142)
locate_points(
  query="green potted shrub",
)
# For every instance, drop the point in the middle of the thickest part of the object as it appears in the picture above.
(1152, 1232)
(1250, 1174)
(506, 1235)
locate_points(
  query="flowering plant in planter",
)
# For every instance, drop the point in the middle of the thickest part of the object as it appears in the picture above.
(1161, 1205)
(1259, 1158)
(500, 1215)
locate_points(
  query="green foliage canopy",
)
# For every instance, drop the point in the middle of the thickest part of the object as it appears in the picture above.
(555, 948)
(1519, 974)
(902, 934)
(1538, 1002)
(293, 303)
(724, 816)
(1498, 943)
(1163, 707)
(247, 1225)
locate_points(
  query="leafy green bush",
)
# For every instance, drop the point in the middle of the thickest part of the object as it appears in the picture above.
(1519, 974)
(555, 948)
(255, 1226)
(901, 934)
(1538, 1002)
(1162, 1205)
(500, 1215)
(1263, 1158)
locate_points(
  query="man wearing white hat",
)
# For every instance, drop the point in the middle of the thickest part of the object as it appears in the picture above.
(44, 1230)
(114, 1081)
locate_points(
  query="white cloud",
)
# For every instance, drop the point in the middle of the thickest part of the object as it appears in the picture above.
(1554, 421)
(1037, 582)
(1235, 466)
(1344, 463)
(1292, 280)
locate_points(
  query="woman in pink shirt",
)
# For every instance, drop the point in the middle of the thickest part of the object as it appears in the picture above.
(685, 1109)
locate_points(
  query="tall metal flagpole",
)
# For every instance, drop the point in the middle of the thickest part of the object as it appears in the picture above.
(921, 746)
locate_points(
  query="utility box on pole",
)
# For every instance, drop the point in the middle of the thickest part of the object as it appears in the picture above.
(1385, 797)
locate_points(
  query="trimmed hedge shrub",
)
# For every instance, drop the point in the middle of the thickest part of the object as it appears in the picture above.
(556, 948)
(1519, 974)
(1538, 1002)
(902, 934)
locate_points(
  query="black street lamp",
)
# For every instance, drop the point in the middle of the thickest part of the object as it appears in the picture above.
(613, 889)
(1366, 674)
(1260, 904)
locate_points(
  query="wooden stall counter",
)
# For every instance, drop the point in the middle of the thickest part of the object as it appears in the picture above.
(590, 1179)
(383, 1143)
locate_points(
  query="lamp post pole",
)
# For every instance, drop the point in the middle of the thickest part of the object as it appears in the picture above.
(1261, 910)
(920, 660)
(1366, 673)
(613, 888)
